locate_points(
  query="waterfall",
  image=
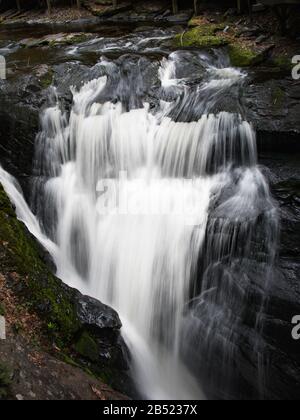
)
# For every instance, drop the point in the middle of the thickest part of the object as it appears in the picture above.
(144, 206)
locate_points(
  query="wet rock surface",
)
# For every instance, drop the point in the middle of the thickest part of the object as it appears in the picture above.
(20, 103)
(94, 314)
(274, 107)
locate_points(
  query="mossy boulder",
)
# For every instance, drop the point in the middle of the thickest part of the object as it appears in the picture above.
(87, 347)
(204, 36)
(209, 35)
(242, 56)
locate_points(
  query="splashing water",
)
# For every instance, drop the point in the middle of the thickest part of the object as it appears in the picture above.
(133, 199)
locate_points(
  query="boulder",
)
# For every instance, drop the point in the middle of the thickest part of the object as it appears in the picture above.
(94, 314)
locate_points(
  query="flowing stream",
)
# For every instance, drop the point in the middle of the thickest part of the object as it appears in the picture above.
(159, 211)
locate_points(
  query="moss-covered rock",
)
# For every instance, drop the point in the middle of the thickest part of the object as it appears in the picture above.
(203, 36)
(242, 56)
(87, 347)
(47, 79)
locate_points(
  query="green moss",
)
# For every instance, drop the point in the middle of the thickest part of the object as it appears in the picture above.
(20, 254)
(282, 62)
(67, 359)
(47, 79)
(5, 381)
(200, 37)
(77, 39)
(87, 347)
(241, 56)
(207, 30)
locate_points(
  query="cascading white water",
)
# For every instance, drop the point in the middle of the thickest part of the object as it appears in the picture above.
(126, 202)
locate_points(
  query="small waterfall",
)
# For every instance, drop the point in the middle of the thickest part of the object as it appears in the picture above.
(161, 212)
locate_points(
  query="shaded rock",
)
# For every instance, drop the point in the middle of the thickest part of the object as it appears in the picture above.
(92, 313)
(250, 32)
(261, 39)
(20, 103)
(273, 109)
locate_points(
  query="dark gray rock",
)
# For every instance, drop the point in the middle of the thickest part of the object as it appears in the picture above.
(273, 107)
(95, 314)
(21, 100)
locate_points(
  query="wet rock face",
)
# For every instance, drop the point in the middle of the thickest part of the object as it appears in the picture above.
(273, 106)
(94, 314)
(20, 103)
(100, 341)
